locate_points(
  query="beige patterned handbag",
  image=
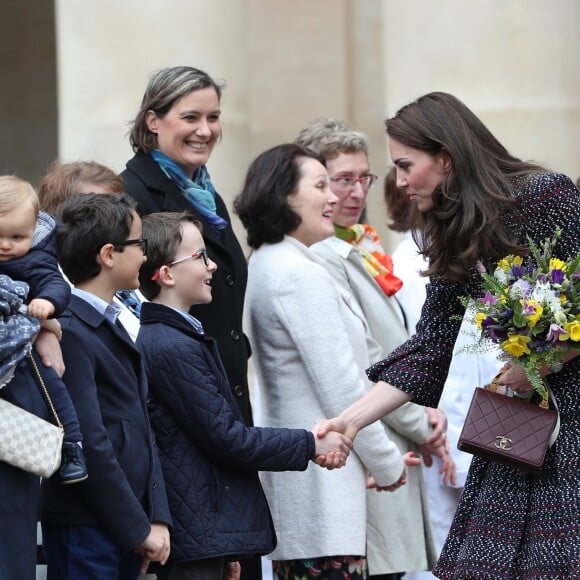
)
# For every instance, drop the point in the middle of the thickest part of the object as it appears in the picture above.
(27, 441)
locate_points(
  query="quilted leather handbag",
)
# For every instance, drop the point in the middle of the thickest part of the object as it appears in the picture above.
(27, 441)
(508, 430)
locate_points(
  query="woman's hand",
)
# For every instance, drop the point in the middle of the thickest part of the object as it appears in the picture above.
(438, 422)
(332, 449)
(515, 378)
(47, 346)
(337, 424)
(410, 460)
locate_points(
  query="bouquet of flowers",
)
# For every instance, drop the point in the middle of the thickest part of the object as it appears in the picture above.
(532, 312)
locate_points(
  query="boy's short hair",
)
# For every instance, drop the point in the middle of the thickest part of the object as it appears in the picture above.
(87, 223)
(15, 192)
(164, 232)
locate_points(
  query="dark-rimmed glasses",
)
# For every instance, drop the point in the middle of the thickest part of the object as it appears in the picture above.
(201, 254)
(141, 241)
(344, 182)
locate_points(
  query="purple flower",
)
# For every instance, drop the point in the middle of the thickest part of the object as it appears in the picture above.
(489, 299)
(517, 271)
(557, 276)
(554, 332)
(492, 330)
(520, 289)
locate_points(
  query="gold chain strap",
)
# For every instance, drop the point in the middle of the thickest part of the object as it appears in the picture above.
(45, 390)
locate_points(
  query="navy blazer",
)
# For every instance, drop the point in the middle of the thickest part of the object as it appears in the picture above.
(125, 490)
(222, 318)
(210, 457)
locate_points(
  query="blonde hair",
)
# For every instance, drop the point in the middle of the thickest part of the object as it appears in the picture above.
(328, 138)
(14, 192)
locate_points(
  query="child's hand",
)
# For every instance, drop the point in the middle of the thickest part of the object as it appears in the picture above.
(155, 547)
(332, 449)
(40, 308)
(234, 571)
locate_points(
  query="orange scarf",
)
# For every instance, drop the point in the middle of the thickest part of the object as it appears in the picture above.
(377, 263)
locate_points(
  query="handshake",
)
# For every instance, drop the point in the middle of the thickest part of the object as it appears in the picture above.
(334, 441)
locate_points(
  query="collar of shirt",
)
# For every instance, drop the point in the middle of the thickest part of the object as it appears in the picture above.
(109, 311)
(192, 320)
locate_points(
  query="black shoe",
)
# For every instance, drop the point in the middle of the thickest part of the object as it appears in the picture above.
(73, 467)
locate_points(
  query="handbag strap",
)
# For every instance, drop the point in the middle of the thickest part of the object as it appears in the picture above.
(41, 381)
(543, 404)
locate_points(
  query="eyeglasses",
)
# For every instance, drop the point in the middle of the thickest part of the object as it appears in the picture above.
(140, 241)
(201, 254)
(366, 181)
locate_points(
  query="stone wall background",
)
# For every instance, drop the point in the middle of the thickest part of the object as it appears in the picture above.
(74, 78)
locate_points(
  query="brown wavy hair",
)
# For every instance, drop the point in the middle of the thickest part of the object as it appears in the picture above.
(467, 222)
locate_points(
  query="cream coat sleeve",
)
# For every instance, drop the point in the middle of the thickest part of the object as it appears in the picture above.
(322, 325)
(410, 420)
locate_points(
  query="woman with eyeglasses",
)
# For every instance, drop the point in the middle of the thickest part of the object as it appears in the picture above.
(398, 529)
(173, 136)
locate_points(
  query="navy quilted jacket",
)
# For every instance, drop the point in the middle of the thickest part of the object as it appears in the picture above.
(210, 458)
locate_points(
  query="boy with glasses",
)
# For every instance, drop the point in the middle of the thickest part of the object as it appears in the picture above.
(210, 457)
(113, 524)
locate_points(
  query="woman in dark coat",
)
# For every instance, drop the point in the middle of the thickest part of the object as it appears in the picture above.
(173, 136)
(473, 201)
(19, 490)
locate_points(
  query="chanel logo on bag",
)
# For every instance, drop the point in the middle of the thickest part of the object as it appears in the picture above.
(503, 443)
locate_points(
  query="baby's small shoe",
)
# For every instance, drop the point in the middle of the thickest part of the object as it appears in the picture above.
(73, 467)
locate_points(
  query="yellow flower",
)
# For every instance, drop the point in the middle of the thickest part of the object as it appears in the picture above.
(533, 318)
(516, 345)
(563, 298)
(573, 330)
(556, 264)
(504, 264)
(479, 318)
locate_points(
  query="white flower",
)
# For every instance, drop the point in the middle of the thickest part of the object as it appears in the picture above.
(544, 294)
(501, 275)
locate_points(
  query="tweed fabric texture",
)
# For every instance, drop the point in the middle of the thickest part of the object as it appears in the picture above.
(509, 524)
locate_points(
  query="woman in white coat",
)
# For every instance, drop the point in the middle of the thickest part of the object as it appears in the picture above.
(308, 341)
(399, 537)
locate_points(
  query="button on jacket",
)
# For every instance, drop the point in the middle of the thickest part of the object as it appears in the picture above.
(222, 318)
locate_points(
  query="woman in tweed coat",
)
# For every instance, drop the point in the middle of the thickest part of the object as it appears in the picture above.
(475, 201)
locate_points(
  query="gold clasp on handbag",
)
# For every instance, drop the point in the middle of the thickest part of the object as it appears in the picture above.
(503, 443)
